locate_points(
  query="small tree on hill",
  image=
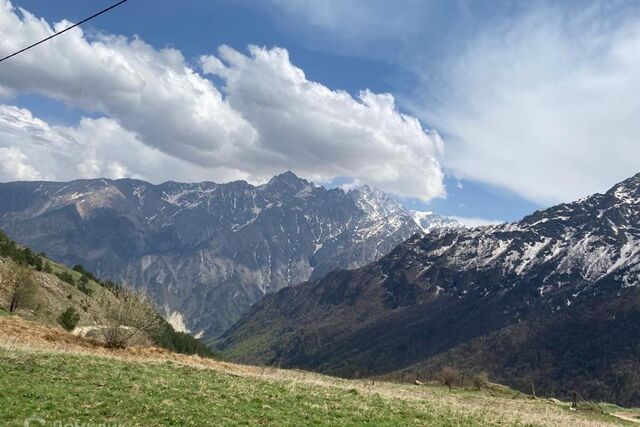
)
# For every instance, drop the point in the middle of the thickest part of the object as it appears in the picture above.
(19, 286)
(65, 276)
(69, 319)
(83, 285)
(127, 314)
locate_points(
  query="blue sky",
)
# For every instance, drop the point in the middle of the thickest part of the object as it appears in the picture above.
(530, 99)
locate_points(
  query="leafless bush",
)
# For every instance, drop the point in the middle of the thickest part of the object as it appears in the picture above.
(450, 376)
(19, 286)
(480, 380)
(123, 315)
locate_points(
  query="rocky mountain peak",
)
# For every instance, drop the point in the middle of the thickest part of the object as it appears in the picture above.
(288, 178)
(287, 184)
(628, 191)
(375, 202)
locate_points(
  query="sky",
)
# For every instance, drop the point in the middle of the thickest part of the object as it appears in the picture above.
(485, 111)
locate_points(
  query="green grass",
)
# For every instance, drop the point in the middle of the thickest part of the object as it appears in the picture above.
(85, 389)
(256, 344)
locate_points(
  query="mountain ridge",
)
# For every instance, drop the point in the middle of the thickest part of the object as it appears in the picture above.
(205, 251)
(437, 292)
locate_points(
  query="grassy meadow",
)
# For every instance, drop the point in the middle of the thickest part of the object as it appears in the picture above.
(49, 374)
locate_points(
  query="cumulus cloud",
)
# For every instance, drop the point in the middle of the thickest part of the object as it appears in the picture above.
(326, 133)
(150, 92)
(536, 97)
(31, 149)
(544, 105)
(270, 117)
(13, 166)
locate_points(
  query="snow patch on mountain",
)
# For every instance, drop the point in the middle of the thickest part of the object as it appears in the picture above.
(429, 221)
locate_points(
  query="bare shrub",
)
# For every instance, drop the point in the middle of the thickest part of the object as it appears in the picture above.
(123, 315)
(19, 286)
(480, 380)
(450, 376)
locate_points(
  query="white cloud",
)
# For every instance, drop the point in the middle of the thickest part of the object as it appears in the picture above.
(13, 166)
(322, 133)
(373, 28)
(150, 92)
(536, 97)
(271, 119)
(545, 105)
(31, 149)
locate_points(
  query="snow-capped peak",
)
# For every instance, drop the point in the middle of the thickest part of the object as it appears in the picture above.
(628, 191)
(374, 202)
(429, 221)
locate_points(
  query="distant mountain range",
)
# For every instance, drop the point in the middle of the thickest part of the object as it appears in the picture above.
(205, 251)
(552, 299)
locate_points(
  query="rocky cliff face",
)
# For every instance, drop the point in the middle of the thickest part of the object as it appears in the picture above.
(562, 283)
(206, 251)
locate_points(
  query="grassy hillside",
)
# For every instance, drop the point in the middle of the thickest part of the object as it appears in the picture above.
(58, 288)
(59, 377)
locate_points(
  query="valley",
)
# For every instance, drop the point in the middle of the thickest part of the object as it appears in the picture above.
(551, 300)
(319, 213)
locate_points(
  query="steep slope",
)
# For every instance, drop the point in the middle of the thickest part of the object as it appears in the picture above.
(47, 290)
(572, 270)
(205, 251)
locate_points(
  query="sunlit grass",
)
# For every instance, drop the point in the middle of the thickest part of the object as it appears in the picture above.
(49, 373)
(60, 387)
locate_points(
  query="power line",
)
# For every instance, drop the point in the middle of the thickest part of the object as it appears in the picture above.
(65, 30)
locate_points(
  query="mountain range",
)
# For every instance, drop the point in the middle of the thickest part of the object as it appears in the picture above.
(550, 300)
(206, 251)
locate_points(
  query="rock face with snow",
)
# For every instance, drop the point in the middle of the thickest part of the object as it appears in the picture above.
(553, 299)
(429, 221)
(206, 251)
